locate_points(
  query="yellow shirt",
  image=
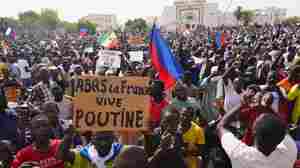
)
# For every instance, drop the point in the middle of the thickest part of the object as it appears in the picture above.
(194, 136)
(3, 70)
(294, 94)
(81, 162)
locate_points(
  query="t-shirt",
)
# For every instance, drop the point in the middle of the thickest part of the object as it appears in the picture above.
(232, 98)
(23, 65)
(195, 136)
(45, 160)
(243, 156)
(248, 115)
(80, 162)
(294, 94)
(65, 109)
(83, 158)
(156, 109)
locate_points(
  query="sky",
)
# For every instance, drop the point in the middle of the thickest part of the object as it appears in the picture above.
(72, 10)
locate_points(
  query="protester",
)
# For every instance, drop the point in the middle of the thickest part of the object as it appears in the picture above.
(24, 67)
(100, 153)
(6, 154)
(169, 143)
(294, 95)
(63, 103)
(41, 92)
(253, 71)
(158, 102)
(271, 148)
(51, 110)
(42, 152)
(193, 138)
(132, 157)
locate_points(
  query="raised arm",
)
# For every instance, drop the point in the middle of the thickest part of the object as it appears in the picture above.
(227, 120)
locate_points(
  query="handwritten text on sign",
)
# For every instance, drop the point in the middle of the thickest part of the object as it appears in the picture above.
(111, 103)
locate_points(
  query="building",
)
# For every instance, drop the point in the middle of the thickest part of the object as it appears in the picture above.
(212, 15)
(104, 22)
(199, 12)
(168, 19)
(190, 11)
(270, 15)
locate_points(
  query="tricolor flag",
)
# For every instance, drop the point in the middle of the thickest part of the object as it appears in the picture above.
(109, 40)
(163, 60)
(220, 39)
(83, 31)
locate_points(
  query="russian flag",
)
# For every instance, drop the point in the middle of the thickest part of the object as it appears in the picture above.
(163, 60)
(220, 39)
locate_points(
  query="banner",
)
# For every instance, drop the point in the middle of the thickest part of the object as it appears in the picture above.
(136, 56)
(136, 40)
(111, 103)
(109, 59)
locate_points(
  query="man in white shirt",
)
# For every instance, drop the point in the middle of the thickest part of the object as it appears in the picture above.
(273, 148)
(24, 67)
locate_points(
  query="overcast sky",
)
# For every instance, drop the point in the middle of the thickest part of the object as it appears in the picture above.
(71, 10)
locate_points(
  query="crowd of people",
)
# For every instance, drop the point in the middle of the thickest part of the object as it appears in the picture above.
(237, 104)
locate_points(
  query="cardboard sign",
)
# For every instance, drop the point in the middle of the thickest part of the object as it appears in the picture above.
(136, 56)
(135, 40)
(109, 59)
(111, 103)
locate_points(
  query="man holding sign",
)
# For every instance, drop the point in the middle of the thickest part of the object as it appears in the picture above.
(106, 104)
(108, 60)
(100, 153)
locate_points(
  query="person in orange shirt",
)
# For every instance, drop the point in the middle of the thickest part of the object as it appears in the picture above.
(285, 85)
(293, 78)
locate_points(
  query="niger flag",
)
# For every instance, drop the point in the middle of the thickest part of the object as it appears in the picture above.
(110, 41)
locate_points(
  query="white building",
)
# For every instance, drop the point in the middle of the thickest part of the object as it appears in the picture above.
(270, 15)
(190, 11)
(195, 12)
(168, 19)
(104, 22)
(212, 15)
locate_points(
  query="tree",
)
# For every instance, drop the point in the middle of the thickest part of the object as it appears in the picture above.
(69, 27)
(247, 16)
(28, 18)
(49, 19)
(292, 20)
(138, 25)
(87, 24)
(238, 13)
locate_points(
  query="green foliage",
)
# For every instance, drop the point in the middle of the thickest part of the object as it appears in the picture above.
(87, 24)
(49, 18)
(10, 22)
(247, 16)
(292, 20)
(28, 18)
(70, 27)
(138, 25)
